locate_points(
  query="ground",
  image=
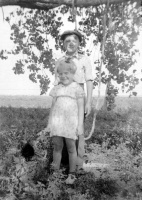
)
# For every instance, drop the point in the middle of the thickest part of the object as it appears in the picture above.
(113, 163)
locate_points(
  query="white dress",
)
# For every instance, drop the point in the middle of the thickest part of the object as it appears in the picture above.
(64, 118)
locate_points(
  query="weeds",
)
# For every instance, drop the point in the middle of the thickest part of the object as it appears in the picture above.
(117, 142)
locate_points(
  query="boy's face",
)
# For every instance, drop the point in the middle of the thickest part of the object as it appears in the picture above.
(65, 76)
(71, 44)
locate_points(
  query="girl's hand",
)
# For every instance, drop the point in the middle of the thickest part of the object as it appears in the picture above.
(44, 131)
(47, 129)
(80, 130)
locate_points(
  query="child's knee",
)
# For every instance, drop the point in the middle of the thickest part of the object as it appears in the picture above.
(58, 148)
(58, 144)
(71, 149)
(71, 146)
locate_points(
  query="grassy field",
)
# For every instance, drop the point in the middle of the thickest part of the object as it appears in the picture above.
(45, 102)
(116, 142)
(25, 101)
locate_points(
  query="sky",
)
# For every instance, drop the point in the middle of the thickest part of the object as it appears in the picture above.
(11, 84)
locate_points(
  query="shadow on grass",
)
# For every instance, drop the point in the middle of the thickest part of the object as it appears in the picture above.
(96, 188)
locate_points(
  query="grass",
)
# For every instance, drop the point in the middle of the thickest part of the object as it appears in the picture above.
(25, 101)
(45, 102)
(116, 141)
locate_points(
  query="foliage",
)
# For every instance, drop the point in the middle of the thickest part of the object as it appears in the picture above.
(33, 31)
(31, 35)
(14, 118)
(111, 93)
(122, 166)
(122, 33)
(116, 142)
(118, 127)
(96, 188)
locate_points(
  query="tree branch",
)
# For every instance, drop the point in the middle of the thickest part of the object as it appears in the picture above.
(49, 4)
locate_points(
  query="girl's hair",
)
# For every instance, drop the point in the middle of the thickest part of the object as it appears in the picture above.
(67, 64)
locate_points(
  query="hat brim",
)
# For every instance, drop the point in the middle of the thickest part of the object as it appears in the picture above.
(67, 33)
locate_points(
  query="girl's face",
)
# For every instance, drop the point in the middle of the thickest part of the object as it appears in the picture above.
(71, 44)
(65, 76)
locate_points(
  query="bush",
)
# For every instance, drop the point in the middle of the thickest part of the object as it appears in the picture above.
(116, 128)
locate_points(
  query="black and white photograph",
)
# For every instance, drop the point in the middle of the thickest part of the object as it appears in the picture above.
(71, 100)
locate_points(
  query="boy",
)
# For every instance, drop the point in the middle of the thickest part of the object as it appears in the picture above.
(71, 41)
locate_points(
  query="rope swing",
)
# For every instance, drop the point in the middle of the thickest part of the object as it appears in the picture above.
(100, 71)
(74, 12)
(74, 15)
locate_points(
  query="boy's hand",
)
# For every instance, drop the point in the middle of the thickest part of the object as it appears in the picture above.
(87, 109)
(80, 130)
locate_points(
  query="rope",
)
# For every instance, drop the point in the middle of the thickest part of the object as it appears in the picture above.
(2, 13)
(100, 71)
(74, 12)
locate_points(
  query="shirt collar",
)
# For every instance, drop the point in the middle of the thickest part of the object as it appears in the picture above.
(75, 55)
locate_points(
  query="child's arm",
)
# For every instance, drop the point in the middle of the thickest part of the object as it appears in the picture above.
(80, 104)
(50, 115)
(89, 86)
(48, 127)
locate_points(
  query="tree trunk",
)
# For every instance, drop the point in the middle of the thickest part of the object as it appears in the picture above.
(104, 106)
(49, 4)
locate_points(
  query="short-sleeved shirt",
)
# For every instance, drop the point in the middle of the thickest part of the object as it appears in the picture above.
(84, 68)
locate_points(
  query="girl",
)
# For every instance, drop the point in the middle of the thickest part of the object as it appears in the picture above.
(66, 116)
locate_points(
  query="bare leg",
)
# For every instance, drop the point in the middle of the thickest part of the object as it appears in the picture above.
(57, 152)
(71, 147)
(80, 152)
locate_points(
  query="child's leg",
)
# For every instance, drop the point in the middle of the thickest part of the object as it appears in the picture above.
(71, 147)
(80, 151)
(57, 151)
